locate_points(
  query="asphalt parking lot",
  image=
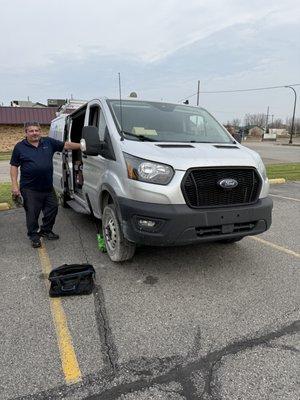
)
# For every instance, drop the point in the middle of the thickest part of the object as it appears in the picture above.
(208, 322)
(276, 152)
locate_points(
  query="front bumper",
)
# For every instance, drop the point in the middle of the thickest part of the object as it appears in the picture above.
(179, 224)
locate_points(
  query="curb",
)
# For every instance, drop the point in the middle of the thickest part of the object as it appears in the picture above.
(276, 181)
(4, 206)
(288, 144)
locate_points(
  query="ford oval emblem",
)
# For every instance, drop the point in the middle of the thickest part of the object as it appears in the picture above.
(228, 183)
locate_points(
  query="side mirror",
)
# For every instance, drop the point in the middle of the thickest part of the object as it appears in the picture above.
(93, 144)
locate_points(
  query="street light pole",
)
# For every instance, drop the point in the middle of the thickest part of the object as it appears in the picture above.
(293, 118)
(198, 93)
(267, 120)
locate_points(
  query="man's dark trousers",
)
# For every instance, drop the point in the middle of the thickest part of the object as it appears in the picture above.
(34, 203)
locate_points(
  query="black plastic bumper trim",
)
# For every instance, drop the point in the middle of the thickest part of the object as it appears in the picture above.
(183, 225)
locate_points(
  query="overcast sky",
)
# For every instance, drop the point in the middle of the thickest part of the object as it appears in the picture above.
(59, 48)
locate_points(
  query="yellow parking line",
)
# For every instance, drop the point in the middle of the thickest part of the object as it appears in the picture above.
(283, 197)
(67, 353)
(276, 181)
(275, 246)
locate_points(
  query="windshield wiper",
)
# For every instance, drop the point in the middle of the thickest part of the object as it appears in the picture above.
(142, 138)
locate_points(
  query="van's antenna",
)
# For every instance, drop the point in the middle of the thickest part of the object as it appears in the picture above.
(121, 114)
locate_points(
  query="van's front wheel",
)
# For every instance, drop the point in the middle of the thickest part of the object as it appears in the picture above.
(117, 246)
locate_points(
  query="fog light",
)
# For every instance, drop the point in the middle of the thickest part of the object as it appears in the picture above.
(146, 223)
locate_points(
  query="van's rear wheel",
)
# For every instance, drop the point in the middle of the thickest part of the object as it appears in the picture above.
(117, 246)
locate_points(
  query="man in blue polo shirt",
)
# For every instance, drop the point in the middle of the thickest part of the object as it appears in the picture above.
(34, 156)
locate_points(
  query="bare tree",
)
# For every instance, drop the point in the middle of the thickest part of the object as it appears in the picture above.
(296, 125)
(255, 119)
(277, 124)
(235, 122)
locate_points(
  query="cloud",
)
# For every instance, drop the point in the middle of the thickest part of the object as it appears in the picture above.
(36, 31)
(56, 49)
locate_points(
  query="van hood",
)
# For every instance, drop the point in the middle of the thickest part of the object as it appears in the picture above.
(182, 156)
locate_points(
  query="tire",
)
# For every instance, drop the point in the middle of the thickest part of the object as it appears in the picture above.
(117, 246)
(228, 241)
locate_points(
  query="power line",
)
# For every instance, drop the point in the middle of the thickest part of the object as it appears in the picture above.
(239, 90)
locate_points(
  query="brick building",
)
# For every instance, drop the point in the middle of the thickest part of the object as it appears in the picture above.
(12, 121)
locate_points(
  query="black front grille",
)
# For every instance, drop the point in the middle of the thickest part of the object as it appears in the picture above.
(200, 187)
(221, 229)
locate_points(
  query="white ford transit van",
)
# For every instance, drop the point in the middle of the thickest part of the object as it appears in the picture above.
(159, 174)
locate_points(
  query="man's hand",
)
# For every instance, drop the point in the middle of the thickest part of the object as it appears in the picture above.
(14, 180)
(82, 145)
(15, 191)
(71, 146)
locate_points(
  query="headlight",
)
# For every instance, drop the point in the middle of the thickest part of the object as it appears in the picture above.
(148, 171)
(262, 168)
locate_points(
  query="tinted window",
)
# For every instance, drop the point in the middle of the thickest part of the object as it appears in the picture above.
(96, 118)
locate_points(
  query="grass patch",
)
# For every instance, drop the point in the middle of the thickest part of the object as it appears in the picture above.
(5, 194)
(290, 172)
(5, 155)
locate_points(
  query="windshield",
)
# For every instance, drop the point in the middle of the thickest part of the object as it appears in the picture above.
(164, 122)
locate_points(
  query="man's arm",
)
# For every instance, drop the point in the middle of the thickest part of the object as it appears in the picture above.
(72, 146)
(14, 180)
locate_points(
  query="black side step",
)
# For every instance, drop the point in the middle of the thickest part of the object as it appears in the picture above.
(77, 207)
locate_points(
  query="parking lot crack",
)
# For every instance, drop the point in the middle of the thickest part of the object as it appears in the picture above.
(108, 347)
(283, 347)
(117, 380)
(215, 358)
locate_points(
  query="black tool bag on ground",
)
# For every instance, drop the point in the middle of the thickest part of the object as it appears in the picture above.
(71, 279)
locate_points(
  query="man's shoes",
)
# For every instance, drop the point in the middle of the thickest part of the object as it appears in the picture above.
(35, 243)
(49, 235)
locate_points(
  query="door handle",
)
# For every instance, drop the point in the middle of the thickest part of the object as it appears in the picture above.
(58, 153)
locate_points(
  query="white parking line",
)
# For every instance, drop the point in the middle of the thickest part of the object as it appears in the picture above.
(283, 197)
(275, 246)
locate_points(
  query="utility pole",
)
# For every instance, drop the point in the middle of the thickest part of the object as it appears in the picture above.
(198, 93)
(267, 119)
(293, 118)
